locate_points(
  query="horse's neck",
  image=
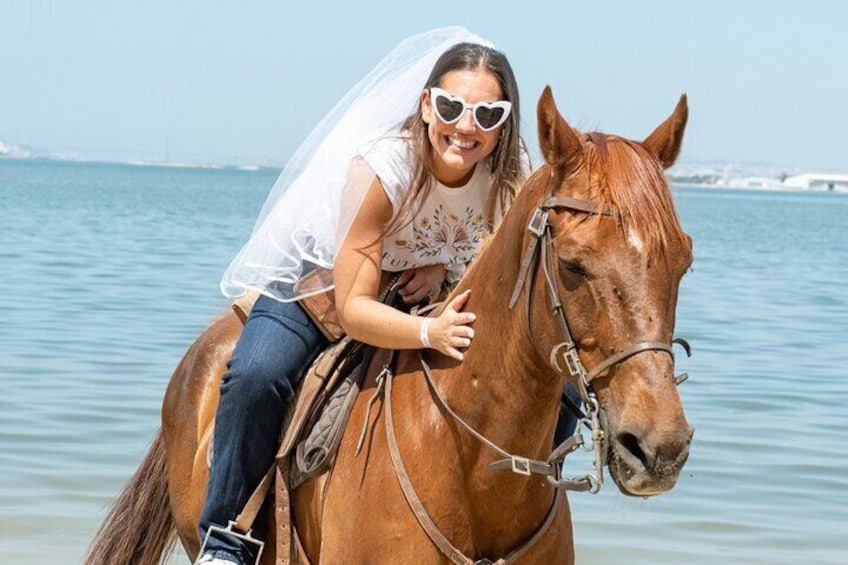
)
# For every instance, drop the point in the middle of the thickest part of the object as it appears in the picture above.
(503, 368)
(503, 388)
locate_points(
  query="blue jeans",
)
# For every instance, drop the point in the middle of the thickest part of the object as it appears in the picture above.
(277, 343)
(567, 421)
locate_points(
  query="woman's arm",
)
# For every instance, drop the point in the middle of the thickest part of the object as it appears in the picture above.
(356, 274)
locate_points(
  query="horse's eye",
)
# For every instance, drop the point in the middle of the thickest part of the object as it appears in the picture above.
(575, 267)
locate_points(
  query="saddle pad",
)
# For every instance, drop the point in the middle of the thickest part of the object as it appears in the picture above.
(316, 451)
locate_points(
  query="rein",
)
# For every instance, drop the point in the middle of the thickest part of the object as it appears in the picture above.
(456, 556)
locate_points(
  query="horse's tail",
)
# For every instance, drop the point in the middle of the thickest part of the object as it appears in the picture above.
(139, 529)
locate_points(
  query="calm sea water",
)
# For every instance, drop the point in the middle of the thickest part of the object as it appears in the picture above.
(110, 271)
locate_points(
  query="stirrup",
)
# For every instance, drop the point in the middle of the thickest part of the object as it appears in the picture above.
(230, 530)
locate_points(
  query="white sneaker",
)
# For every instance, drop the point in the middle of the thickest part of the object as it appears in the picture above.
(213, 560)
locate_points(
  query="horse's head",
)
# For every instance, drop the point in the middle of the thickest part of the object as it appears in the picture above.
(618, 273)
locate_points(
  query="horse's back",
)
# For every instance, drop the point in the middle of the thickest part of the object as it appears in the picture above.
(188, 411)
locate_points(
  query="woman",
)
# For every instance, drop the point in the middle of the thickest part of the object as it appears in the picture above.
(417, 199)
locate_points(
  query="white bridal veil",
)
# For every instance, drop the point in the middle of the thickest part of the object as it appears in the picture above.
(303, 218)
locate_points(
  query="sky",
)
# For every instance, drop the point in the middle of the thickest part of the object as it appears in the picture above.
(246, 81)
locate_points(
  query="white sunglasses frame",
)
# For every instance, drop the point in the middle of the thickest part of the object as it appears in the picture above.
(504, 104)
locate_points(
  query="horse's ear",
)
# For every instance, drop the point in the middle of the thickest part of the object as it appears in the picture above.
(667, 139)
(560, 145)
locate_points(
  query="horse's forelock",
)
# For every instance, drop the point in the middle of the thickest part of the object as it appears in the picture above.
(630, 180)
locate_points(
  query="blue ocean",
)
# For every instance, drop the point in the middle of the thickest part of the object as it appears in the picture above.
(110, 271)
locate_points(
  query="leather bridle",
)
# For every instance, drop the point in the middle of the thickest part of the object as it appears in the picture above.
(565, 353)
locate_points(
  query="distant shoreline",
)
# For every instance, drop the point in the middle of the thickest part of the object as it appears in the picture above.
(143, 163)
(769, 188)
(677, 181)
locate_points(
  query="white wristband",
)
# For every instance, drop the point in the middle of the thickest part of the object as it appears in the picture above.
(425, 332)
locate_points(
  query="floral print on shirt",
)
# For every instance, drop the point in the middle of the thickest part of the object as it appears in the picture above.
(442, 238)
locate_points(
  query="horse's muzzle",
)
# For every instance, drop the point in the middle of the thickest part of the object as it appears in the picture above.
(648, 462)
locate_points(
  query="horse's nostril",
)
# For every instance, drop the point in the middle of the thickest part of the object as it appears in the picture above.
(629, 442)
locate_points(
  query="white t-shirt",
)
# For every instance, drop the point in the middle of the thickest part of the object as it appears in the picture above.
(447, 228)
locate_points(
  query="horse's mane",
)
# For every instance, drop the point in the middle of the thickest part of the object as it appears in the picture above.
(629, 179)
(625, 177)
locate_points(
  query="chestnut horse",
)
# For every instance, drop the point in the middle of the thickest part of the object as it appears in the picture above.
(616, 254)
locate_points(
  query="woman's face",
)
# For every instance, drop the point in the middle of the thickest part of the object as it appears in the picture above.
(458, 147)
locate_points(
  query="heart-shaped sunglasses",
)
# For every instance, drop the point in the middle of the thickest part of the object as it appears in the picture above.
(450, 109)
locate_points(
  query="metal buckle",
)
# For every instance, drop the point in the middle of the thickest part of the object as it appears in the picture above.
(484, 561)
(520, 465)
(230, 531)
(575, 365)
(538, 222)
(572, 360)
(554, 352)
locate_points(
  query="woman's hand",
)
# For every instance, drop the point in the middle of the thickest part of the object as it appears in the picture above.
(423, 282)
(450, 332)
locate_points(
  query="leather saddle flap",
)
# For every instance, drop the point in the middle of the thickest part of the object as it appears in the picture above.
(314, 387)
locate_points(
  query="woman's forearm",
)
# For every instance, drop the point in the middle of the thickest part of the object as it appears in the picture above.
(370, 321)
